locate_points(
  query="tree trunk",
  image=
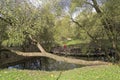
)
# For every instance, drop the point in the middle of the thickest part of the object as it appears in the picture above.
(40, 47)
(117, 52)
(108, 28)
(37, 44)
(24, 55)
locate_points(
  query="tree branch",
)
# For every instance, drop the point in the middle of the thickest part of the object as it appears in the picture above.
(89, 3)
(84, 29)
(37, 44)
(95, 5)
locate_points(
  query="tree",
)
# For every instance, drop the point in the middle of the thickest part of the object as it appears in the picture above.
(108, 22)
(25, 22)
(107, 13)
(63, 29)
(27, 19)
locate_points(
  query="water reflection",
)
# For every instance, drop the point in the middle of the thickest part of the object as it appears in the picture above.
(45, 64)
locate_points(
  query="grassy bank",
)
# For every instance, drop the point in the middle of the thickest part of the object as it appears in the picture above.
(110, 72)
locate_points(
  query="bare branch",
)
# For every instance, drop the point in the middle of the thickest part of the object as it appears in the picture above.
(89, 3)
(76, 22)
(95, 5)
(37, 44)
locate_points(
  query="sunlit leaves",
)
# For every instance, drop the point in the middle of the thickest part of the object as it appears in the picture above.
(24, 18)
(63, 29)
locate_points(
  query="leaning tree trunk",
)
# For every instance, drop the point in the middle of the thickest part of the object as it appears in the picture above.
(109, 29)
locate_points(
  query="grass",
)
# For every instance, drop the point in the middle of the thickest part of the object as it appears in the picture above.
(74, 42)
(106, 72)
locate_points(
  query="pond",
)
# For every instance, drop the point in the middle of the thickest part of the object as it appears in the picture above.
(45, 64)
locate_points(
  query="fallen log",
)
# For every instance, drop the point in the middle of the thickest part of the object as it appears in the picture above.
(22, 55)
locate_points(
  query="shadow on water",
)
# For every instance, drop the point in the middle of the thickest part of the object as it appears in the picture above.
(44, 64)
